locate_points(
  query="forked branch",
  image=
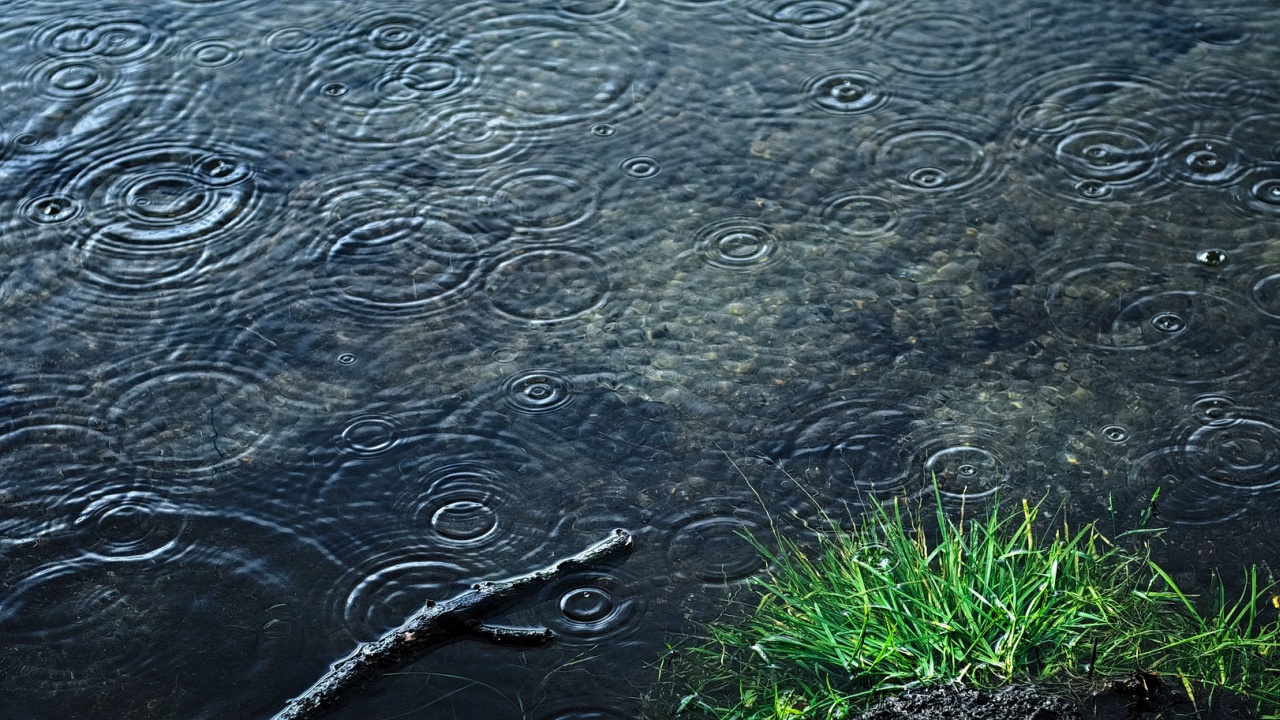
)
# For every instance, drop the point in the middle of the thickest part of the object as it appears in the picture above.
(440, 621)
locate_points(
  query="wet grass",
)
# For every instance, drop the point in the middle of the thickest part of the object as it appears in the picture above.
(910, 598)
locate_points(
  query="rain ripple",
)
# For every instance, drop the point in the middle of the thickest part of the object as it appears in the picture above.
(815, 21)
(393, 248)
(548, 285)
(543, 200)
(385, 80)
(860, 215)
(156, 216)
(1240, 452)
(190, 418)
(1213, 408)
(640, 166)
(537, 392)
(604, 703)
(1186, 496)
(146, 626)
(432, 500)
(370, 433)
(213, 52)
(38, 464)
(1107, 159)
(1053, 102)
(220, 4)
(448, 493)
(540, 77)
(1259, 136)
(1175, 334)
(1204, 162)
(48, 137)
(939, 44)
(384, 589)
(738, 243)
(62, 79)
(291, 40)
(393, 31)
(1266, 292)
(590, 608)
(963, 468)
(127, 523)
(469, 139)
(836, 480)
(468, 507)
(843, 456)
(706, 540)
(1221, 88)
(114, 40)
(594, 10)
(1258, 193)
(847, 92)
(1096, 134)
(934, 157)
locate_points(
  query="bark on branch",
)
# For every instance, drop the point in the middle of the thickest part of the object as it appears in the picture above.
(439, 621)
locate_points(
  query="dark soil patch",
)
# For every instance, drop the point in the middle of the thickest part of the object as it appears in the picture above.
(1122, 699)
(1019, 702)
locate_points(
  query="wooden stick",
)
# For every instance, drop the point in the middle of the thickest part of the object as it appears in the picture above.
(436, 622)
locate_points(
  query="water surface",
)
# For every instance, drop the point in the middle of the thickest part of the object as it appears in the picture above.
(315, 310)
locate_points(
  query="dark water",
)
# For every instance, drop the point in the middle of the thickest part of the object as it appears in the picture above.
(315, 310)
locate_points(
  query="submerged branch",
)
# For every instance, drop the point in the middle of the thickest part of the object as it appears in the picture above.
(436, 622)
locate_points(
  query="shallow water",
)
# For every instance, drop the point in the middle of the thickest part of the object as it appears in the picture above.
(313, 311)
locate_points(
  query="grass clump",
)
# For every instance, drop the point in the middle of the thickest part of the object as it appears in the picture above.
(897, 603)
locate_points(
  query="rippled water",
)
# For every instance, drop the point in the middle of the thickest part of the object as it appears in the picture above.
(315, 310)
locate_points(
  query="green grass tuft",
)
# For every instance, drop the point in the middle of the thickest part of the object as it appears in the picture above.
(897, 603)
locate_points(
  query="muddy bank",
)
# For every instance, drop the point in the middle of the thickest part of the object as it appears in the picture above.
(1139, 697)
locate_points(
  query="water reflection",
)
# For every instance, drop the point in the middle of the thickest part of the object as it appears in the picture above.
(315, 312)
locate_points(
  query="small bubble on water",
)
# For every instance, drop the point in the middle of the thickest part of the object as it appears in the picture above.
(737, 243)
(1100, 153)
(641, 166)
(1205, 161)
(464, 521)
(1168, 322)
(1093, 190)
(1267, 192)
(394, 36)
(539, 392)
(51, 209)
(603, 129)
(76, 78)
(847, 93)
(290, 40)
(370, 435)
(740, 247)
(1212, 408)
(586, 605)
(346, 359)
(218, 168)
(1115, 433)
(334, 89)
(1211, 258)
(927, 178)
(213, 53)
